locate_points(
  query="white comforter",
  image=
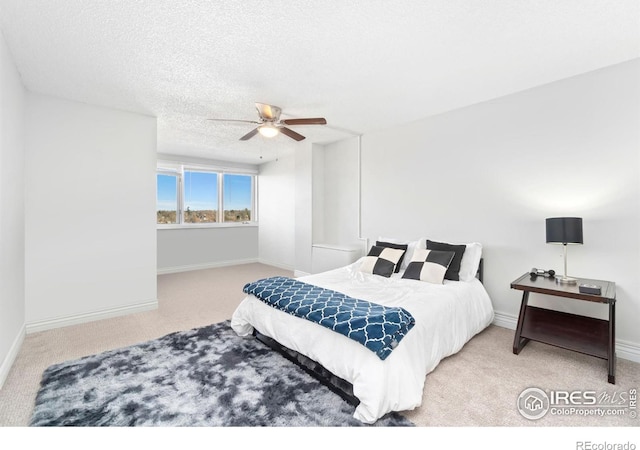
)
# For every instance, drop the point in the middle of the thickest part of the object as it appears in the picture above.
(447, 316)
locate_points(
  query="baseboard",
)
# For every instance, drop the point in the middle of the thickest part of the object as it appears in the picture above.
(624, 349)
(299, 273)
(42, 325)
(213, 265)
(505, 320)
(275, 264)
(12, 355)
(628, 350)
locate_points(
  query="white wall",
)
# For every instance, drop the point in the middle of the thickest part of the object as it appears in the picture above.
(317, 194)
(494, 171)
(276, 210)
(336, 193)
(12, 310)
(303, 172)
(183, 159)
(181, 249)
(90, 226)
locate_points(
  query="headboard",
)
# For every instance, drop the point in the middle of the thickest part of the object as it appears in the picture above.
(480, 272)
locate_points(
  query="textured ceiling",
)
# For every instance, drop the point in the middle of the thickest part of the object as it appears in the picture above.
(361, 64)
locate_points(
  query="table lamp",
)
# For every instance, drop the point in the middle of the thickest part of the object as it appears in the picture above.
(564, 230)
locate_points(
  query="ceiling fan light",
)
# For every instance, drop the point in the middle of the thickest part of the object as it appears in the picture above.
(268, 130)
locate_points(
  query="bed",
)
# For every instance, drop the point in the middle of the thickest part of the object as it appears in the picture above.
(446, 316)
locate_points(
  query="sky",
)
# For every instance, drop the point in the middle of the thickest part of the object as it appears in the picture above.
(201, 191)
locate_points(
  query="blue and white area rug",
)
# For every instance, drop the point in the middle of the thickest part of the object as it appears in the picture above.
(207, 376)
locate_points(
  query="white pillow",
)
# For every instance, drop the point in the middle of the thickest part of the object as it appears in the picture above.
(470, 261)
(411, 246)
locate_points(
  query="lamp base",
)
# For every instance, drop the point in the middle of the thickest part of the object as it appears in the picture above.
(566, 280)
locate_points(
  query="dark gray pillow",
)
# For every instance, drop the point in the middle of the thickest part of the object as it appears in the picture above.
(453, 272)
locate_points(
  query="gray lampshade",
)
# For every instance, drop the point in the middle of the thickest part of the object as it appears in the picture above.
(564, 230)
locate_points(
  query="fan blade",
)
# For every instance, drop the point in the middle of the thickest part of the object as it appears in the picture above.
(292, 134)
(235, 120)
(249, 135)
(268, 112)
(314, 121)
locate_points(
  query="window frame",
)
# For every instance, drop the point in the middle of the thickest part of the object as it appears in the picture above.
(173, 173)
(179, 169)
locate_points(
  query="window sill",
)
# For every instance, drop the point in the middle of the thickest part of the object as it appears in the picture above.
(192, 226)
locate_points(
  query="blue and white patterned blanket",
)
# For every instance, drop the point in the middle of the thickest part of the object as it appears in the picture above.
(377, 327)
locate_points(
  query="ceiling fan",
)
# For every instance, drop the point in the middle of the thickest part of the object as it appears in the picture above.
(270, 124)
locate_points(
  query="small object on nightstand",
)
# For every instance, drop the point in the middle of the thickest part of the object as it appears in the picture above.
(542, 273)
(593, 289)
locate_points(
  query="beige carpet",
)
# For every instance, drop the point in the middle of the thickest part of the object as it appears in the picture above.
(479, 386)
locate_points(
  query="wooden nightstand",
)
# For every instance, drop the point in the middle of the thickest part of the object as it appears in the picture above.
(595, 337)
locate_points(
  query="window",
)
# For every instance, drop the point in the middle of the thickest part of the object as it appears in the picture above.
(200, 197)
(237, 197)
(203, 196)
(167, 197)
